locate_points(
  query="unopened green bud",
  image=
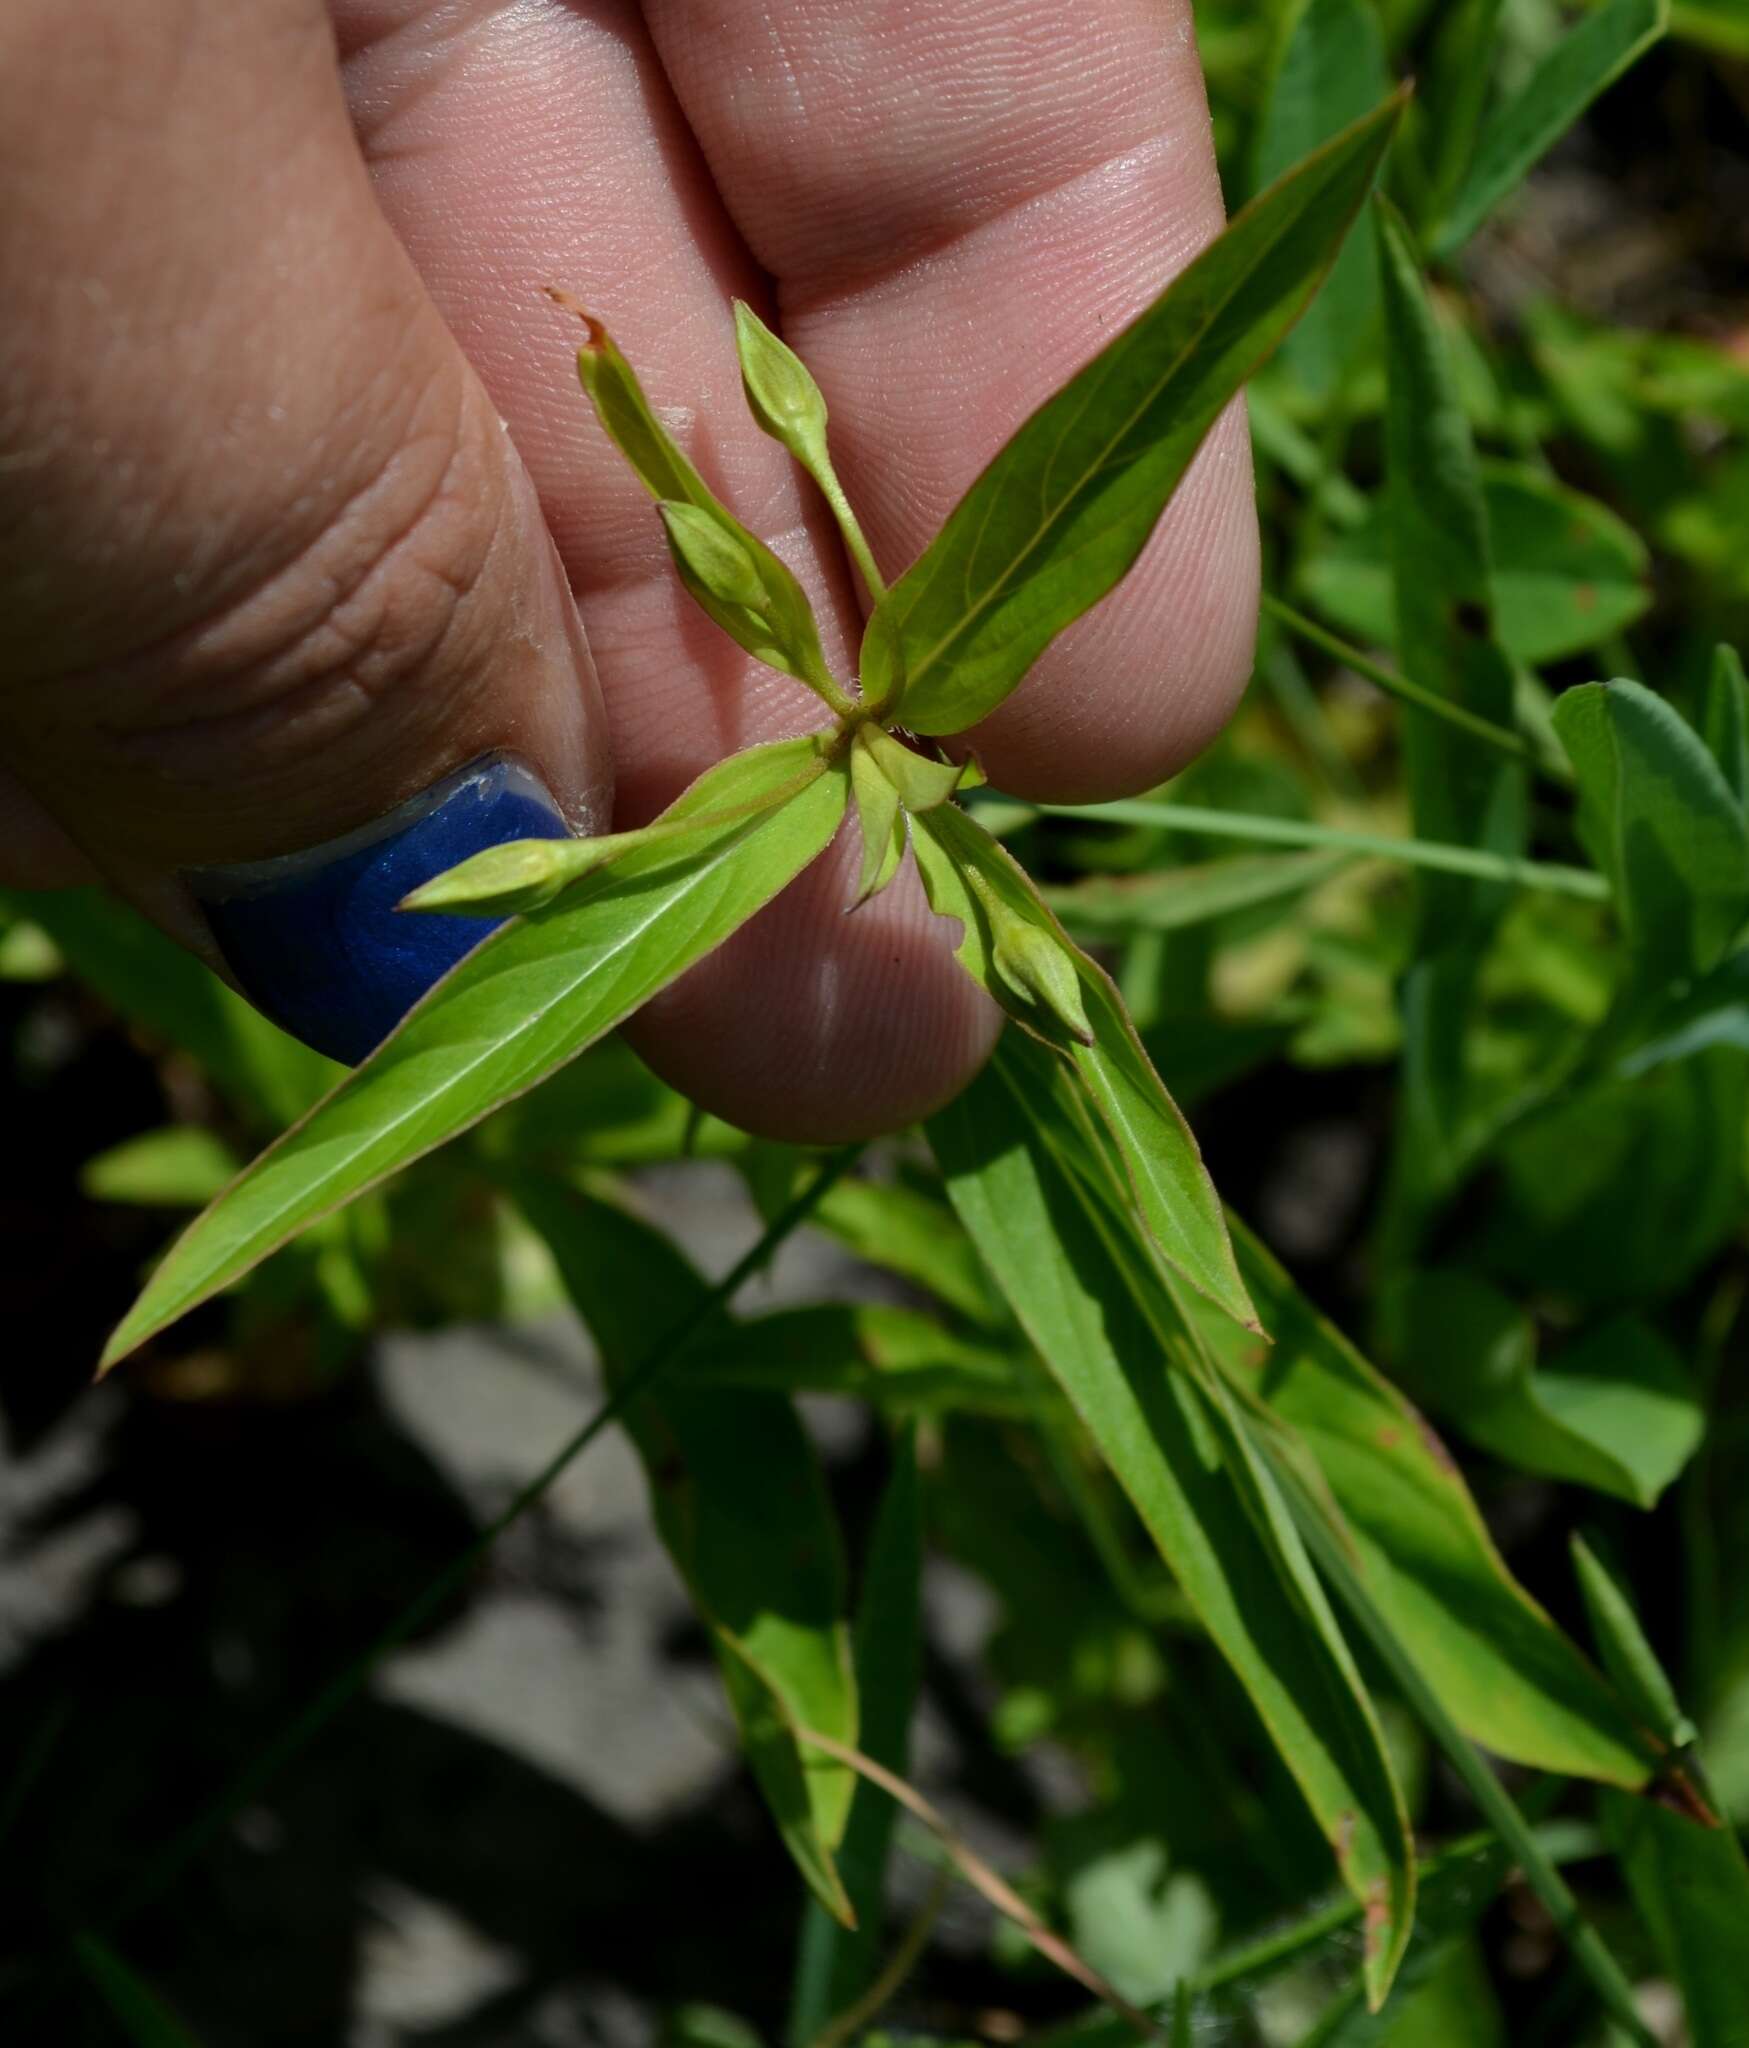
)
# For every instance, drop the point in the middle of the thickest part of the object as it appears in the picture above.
(709, 555)
(1035, 965)
(780, 388)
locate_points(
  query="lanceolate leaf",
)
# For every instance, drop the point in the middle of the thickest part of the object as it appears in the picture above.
(1507, 1675)
(742, 1507)
(530, 998)
(1027, 1186)
(965, 872)
(1064, 509)
(1598, 49)
(1461, 792)
(836, 1964)
(1332, 70)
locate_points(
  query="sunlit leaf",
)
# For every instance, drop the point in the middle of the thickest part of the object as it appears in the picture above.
(1508, 1676)
(1027, 1186)
(966, 872)
(532, 996)
(1061, 513)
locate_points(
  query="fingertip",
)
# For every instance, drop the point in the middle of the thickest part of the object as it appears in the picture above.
(816, 1028)
(1133, 692)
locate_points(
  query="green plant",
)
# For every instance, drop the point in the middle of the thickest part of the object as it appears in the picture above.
(1539, 921)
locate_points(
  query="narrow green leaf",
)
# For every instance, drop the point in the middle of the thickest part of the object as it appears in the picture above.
(837, 1964)
(1594, 52)
(1462, 792)
(1332, 69)
(136, 2008)
(528, 874)
(1662, 822)
(1615, 1409)
(179, 1167)
(1062, 512)
(1452, 94)
(964, 872)
(742, 1508)
(781, 630)
(1627, 1656)
(1727, 720)
(1691, 1885)
(528, 999)
(1507, 1675)
(1027, 1184)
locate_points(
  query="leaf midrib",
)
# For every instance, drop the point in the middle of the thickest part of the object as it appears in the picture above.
(925, 664)
(270, 1223)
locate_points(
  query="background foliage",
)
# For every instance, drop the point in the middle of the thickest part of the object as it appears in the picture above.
(1438, 948)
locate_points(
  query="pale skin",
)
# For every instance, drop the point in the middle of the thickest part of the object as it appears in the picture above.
(300, 502)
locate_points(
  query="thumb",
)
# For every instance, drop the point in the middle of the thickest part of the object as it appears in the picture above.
(286, 629)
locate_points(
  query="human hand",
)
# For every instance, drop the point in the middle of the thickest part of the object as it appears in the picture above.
(271, 564)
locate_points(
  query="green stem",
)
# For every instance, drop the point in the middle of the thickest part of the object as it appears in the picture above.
(1421, 853)
(297, 1735)
(1400, 686)
(850, 527)
(1607, 1978)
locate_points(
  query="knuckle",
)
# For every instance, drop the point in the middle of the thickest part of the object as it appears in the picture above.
(370, 606)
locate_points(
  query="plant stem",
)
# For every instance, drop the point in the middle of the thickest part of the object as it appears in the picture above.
(1421, 853)
(1586, 1946)
(309, 1723)
(1400, 686)
(826, 477)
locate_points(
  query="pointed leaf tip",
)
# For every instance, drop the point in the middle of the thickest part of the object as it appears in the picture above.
(568, 302)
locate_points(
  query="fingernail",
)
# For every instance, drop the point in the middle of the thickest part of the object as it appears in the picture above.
(314, 939)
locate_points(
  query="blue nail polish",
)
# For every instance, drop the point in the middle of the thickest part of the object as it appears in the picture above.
(315, 940)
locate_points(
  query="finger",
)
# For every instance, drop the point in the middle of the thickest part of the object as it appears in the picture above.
(959, 204)
(541, 144)
(270, 566)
